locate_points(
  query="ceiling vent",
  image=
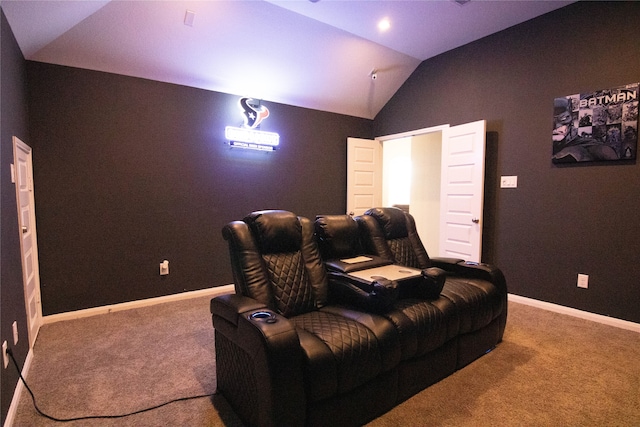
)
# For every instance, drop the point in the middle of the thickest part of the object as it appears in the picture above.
(189, 16)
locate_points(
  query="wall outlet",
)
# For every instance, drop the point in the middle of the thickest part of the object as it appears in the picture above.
(164, 268)
(15, 332)
(508, 182)
(583, 281)
(5, 356)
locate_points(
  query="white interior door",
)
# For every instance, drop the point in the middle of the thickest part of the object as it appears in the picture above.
(462, 192)
(364, 175)
(28, 242)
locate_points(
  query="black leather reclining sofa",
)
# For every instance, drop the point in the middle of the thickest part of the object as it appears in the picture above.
(305, 342)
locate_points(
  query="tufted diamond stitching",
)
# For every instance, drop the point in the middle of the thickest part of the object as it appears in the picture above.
(235, 378)
(429, 321)
(291, 287)
(403, 252)
(422, 314)
(353, 345)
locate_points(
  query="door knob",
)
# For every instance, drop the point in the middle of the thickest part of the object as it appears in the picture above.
(475, 220)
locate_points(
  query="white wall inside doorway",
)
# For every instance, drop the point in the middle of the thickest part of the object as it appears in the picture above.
(411, 176)
(396, 172)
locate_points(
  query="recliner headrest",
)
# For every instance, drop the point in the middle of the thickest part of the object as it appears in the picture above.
(338, 235)
(276, 231)
(392, 221)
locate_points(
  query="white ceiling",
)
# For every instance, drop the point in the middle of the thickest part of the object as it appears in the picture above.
(316, 55)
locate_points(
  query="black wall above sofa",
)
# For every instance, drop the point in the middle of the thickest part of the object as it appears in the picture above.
(129, 172)
(560, 221)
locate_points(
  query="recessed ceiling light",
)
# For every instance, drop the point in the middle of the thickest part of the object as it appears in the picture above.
(384, 24)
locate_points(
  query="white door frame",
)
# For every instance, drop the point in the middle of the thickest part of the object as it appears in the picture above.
(441, 128)
(27, 230)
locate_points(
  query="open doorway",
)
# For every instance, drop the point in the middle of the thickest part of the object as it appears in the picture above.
(411, 171)
(436, 173)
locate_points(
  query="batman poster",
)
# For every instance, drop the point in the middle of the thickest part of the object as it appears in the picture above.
(596, 126)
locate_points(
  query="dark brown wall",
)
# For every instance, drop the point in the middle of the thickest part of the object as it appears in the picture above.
(129, 172)
(560, 221)
(13, 121)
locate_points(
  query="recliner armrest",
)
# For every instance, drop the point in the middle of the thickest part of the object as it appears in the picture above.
(257, 343)
(474, 270)
(230, 306)
(432, 283)
(250, 323)
(438, 262)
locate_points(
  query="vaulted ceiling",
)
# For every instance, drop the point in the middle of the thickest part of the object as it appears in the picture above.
(314, 54)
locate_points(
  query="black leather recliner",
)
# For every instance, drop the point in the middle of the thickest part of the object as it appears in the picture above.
(299, 343)
(478, 291)
(286, 354)
(438, 334)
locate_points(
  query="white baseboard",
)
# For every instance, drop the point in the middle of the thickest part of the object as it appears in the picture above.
(611, 321)
(13, 408)
(78, 314)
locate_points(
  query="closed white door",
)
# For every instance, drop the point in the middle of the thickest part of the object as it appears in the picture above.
(462, 192)
(28, 241)
(364, 175)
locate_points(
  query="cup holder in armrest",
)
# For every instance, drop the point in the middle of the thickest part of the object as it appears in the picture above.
(263, 316)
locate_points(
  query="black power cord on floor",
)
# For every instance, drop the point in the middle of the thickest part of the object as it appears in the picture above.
(92, 417)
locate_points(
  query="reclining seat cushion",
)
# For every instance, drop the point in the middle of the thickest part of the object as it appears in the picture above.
(279, 239)
(424, 325)
(477, 301)
(341, 353)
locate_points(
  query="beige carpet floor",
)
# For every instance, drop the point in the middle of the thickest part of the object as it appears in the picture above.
(550, 370)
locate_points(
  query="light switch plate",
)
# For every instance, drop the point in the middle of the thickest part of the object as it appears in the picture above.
(509, 181)
(583, 281)
(5, 356)
(164, 268)
(14, 326)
